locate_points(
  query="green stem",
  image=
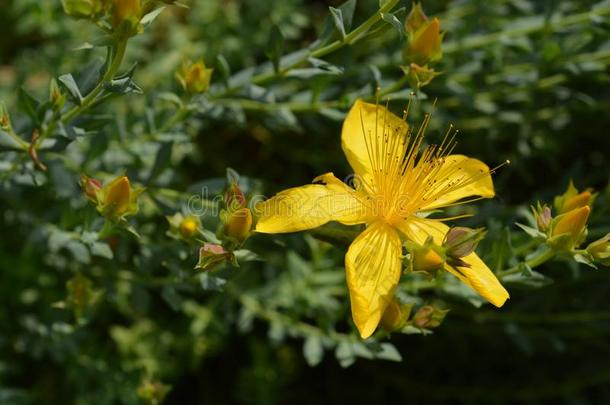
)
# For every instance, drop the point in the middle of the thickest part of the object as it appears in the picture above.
(349, 39)
(117, 60)
(542, 257)
(22, 144)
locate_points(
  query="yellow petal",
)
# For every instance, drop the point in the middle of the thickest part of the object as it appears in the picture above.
(310, 206)
(118, 195)
(478, 276)
(457, 178)
(372, 267)
(363, 138)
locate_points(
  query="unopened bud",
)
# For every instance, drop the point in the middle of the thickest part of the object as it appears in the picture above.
(426, 258)
(600, 250)
(543, 216)
(424, 44)
(91, 187)
(5, 119)
(56, 97)
(395, 315)
(126, 16)
(419, 76)
(80, 294)
(239, 224)
(234, 197)
(194, 77)
(429, 317)
(461, 241)
(211, 255)
(569, 229)
(153, 392)
(189, 226)
(90, 9)
(572, 223)
(416, 18)
(572, 199)
(115, 200)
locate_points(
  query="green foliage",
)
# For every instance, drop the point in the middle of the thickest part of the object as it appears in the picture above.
(99, 313)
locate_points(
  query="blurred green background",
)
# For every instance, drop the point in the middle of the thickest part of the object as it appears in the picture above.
(523, 80)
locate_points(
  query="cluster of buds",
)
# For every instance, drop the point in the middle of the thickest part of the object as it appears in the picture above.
(458, 243)
(423, 47)
(123, 15)
(398, 316)
(568, 229)
(114, 201)
(194, 77)
(236, 217)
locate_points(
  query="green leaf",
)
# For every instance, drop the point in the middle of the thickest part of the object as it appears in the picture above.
(388, 352)
(533, 232)
(347, 12)
(275, 47)
(313, 350)
(337, 16)
(395, 23)
(211, 283)
(102, 249)
(28, 105)
(173, 299)
(162, 161)
(222, 66)
(150, 17)
(69, 83)
(345, 354)
(79, 251)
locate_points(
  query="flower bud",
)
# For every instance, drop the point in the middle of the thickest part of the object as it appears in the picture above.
(56, 97)
(115, 200)
(572, 199)
(395, 315)
(419, 76)
(126, 16)
(234, 198)
(91, 187)
(600, 250)
(80, 294)
(416, 18)
(239, 224)
(211, 255)
(424, 44)
(429, 317)
(153, 392)
(90, 9)
(568, 230)
(194, 77)
(188, 227)
(5, 119)
(427, 258)
(543, 216)
(461, 241)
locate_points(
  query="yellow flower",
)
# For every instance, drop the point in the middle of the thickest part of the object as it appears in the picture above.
(600, 250)
(397, 180)
(194, 77)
